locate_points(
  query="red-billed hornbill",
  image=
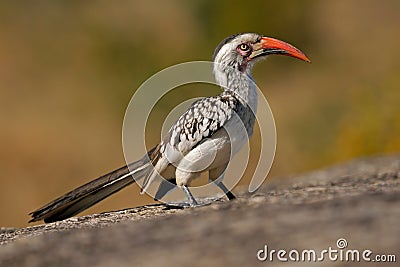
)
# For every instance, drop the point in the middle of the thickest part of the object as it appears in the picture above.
(200, 134)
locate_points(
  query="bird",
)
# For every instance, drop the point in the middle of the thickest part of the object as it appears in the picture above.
(201, 140)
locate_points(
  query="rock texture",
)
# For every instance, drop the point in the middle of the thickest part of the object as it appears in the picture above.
(358, 201)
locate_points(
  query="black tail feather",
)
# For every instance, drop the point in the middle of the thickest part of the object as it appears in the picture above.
(92, 192)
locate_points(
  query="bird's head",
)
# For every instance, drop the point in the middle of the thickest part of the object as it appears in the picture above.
(241, 51)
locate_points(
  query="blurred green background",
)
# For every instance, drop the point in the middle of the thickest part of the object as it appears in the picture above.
(69, 68)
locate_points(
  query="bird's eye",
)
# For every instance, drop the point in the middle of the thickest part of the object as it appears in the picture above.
(244, 47)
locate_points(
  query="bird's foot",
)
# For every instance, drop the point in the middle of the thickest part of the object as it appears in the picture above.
(184, 205)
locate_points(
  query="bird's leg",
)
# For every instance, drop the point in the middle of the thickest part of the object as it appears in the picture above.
(189, 195)
(164, 188)
(216, 176)
(228, 193)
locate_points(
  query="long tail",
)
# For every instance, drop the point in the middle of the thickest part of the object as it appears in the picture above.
(92, 192)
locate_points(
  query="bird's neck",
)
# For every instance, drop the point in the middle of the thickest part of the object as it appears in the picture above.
(240, 84)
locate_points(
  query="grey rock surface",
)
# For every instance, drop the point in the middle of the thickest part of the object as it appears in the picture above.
(358, 201)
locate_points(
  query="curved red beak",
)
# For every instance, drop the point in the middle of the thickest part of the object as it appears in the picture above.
(268, 46)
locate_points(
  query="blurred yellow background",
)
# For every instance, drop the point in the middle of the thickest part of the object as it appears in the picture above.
(69, 68)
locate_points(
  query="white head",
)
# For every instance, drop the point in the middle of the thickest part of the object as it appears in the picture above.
(239, 52)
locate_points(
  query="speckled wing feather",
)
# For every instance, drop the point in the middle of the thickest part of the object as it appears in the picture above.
(200, 121)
